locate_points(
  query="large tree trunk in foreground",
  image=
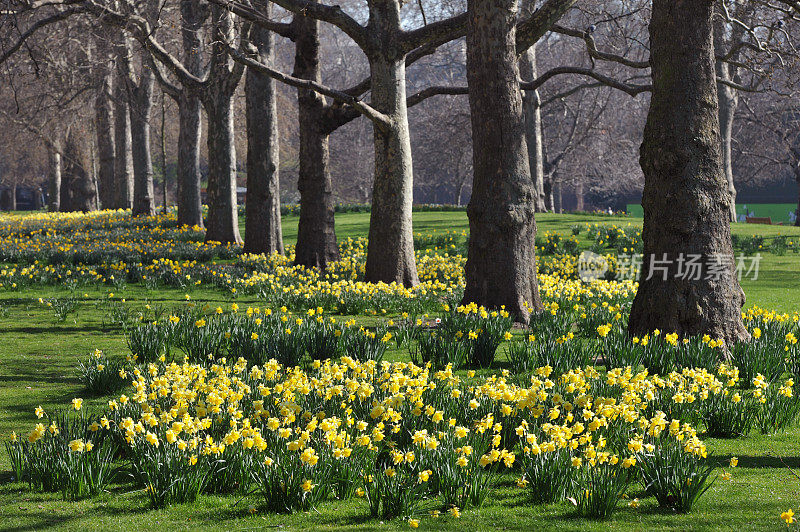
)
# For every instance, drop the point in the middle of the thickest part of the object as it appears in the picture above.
(686, 201)
(531, 104)
(77, 182)
(390, 251)
(123, 158)
(262, 224)
(316, 234)
(501, 262)
(104, 127)
(54, 181)
(223, 216)
(141, 107)
(189, 117)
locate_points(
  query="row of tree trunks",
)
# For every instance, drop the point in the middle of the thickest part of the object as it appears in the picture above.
(686, 200)
(262, 232)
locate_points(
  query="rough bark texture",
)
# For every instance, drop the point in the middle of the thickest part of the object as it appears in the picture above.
(141, 101)
(262, 224)
(78, 188)
(531, 105)
(728, 102)
(54, 181)
(223, 218)
(104, 126)
(501, 263)
(316, 235)
(686, 202)
(217, 97)
(390, 251)
(123, 158)
(189, 118)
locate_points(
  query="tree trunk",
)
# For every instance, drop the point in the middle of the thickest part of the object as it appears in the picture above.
(531, 104)
(163, 145)
(262, 224)
(501, 261)
(104, 128)
(140, 109)
(549, 200)
(728, 102)
(390, 250)
(77, 180)
(797, 212)
(123, 157)
(316, 234)
(223, 216)
(579, 197)
(190, 209)
(685, 200)
(189, 118)
(12, 196)
(54, 182)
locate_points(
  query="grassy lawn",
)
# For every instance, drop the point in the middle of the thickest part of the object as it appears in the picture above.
(38, 363)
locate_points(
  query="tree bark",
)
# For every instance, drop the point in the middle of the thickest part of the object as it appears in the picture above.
(549, 200)
(217, 97)
(189, 118)
(316, 234)
(534, 136)
(797, 212)
(104, 126)
(123, 157)
(12, 196)
(501, 262)
(579, 197)
(728, 102)
(262, 224)
(223, 218)
(77, 181)
(140, 109)
(685, 200)
(163, 146)
(390, 250)
(54, 181)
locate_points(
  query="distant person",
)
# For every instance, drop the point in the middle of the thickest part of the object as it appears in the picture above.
(742, 218)
(610, 211)
(792, 216)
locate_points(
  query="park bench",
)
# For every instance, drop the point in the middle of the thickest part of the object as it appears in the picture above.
(757, 220)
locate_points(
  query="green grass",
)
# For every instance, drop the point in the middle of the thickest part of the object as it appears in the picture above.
(37, 367)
